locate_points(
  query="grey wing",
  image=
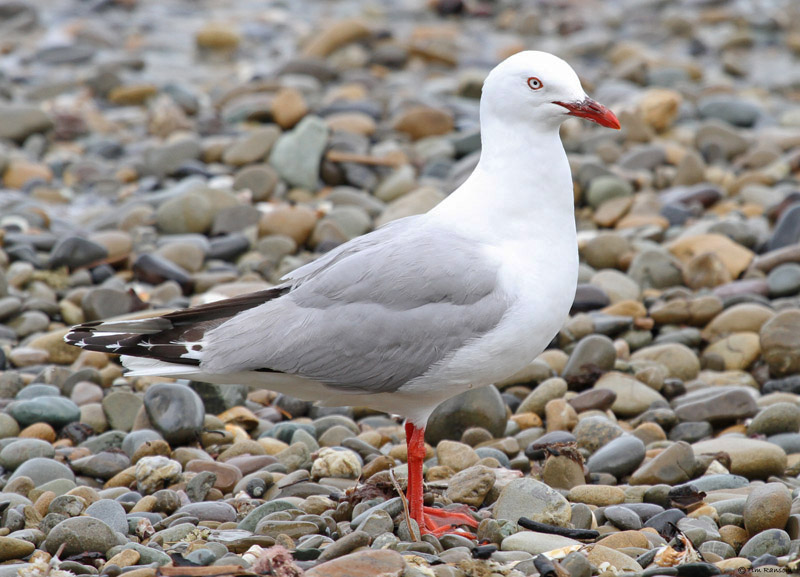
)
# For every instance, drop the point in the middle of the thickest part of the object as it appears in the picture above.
(386, 233)
(372, 317)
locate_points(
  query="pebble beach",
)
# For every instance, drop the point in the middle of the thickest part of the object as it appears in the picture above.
(159, 155)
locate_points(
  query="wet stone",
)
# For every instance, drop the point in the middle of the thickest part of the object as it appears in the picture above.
(220, 512)
(482, 407)
(674, 465)
(619, 457)
(110, 512)
(532, 499)
(41, 470)
(767, 507)
(74, 251)
(784, 280)
(80, 535)
(593, 353)
(175, 411)
(772, 542)
(536, 449)
(57, 411)
(715, 406)
(595, 432)
(691, 431)
(774, 419)
(16, 453)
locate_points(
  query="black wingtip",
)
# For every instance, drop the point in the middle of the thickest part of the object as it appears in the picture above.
(173, 337)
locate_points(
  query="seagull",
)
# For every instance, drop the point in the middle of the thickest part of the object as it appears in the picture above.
(419, 310)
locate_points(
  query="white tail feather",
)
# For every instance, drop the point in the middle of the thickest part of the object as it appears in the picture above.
(143, 367)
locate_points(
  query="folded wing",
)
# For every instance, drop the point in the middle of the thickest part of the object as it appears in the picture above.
(370, 316)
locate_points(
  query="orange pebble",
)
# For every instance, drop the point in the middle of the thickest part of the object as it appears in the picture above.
(41, 431)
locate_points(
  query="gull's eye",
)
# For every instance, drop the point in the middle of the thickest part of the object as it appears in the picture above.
(534, 83)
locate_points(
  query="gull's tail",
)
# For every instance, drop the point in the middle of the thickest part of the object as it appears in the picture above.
(172, 342)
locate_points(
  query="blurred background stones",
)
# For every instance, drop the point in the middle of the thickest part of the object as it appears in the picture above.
(156, 155)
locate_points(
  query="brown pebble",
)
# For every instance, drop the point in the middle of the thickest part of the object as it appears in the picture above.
(124, 478)
(86, 493)
(41, 431)
(612, 210)
(659, 107)
(151, 449)
(145, 505)
(110, 373)
(767, 507)
(399, 452)
(625, 539)
(209, 524)
(627, 308)
(373, 438)
(143, 572)
(32, 516)
(735, 258)
(93, 359)
(43, 502)
(439, 473)
(79, 453)
(336, 35)
(19, 172)
(527, 420)
(272, 446)
(365, 563)
(241, 416)
(474, 436)
(296, 222)
(559, 415)
(641, 220)
(240, 448)
(132, 95)
(217, 36)
(600, 495)
(649, 433)
(288, 107)
(704, 511)
(250, 463)
(562, 473)
(733, 536)
(124, 558)
(214, 494)
(227, 475)
(380, 463)
(20, 486)
(593, 399)
(354, 122)
(705, 270)
(421, 121)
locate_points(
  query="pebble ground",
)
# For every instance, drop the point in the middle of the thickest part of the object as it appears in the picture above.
(156, 155)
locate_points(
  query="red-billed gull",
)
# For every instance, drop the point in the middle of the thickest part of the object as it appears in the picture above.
(421, 309)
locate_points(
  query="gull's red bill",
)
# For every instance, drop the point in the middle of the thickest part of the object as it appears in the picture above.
(592, 110)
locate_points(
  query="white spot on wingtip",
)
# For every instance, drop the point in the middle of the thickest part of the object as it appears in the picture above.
(106, 334)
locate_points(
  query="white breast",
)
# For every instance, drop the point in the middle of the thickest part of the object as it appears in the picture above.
(539, 282)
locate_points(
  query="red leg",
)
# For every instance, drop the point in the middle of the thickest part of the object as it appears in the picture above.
(415, 446)
(430, 519)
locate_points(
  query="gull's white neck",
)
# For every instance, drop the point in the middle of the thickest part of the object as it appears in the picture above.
(521, 189)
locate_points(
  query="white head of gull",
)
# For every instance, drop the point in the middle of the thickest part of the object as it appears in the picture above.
(422, 309)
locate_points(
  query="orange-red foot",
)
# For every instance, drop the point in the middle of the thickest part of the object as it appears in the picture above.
(431, 521)
(440, 522)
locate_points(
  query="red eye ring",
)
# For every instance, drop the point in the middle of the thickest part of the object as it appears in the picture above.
(534, 83)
